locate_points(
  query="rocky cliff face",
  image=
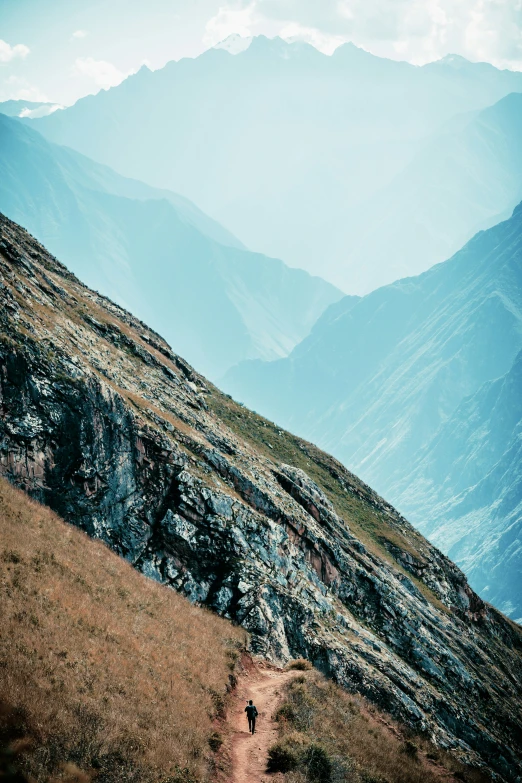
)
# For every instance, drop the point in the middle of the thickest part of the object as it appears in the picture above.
(103, 422)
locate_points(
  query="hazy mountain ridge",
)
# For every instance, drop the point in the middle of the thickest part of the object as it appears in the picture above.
(157, 253)
(102, 421)
(466, 178)
(471, 505)
(33, 109)
(380, 381)
(280, 142)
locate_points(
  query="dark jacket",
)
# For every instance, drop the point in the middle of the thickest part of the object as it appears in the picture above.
(251, 711)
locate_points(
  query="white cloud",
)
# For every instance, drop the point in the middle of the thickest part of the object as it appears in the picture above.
(423, 30)
(19, 89)
(415, 30)
(80, 34)
(230, 19)
(40, 111)
(325, 42)
(102, 73)
(8, 52)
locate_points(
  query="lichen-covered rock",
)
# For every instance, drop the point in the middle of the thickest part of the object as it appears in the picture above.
(100, 420)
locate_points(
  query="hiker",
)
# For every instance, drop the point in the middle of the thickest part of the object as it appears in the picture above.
(251, 715)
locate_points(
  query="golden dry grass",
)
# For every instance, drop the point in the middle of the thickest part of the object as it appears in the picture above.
(362, 745)
(106, 668)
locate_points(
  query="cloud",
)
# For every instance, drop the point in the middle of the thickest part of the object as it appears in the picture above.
(80, 34)
(248, 19)
(41, 111)
(325, 42)
(17, 88)
(422, 30)
(230, 19)
(101, 72)
(8, 52)
(415, 30)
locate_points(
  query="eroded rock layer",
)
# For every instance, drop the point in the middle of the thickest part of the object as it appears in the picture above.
(100, 420)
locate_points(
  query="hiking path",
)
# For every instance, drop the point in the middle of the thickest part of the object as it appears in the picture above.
(263, 684)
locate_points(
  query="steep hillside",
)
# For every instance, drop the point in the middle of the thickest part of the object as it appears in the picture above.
(100, 666)
(105, 424)
(378, 383)
(278, 142)
(467, 491)
(328, 734)
(156, 253)
(79, 690)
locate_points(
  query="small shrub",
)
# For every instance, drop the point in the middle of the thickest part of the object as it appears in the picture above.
(300, 664)
(303, 704)
(318, 764)
(11, 556)
(410, 748)
(286, 713)
(215, 741)
(218, 700)
(282, 758)
(286, 754)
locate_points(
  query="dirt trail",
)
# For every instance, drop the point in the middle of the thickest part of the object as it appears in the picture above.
(262, 684)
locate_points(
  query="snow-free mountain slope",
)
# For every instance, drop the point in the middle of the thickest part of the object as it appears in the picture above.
(157, 253)
(378, 381)
(468, 177)
(104, 423)
(466, 489)
(280, 141)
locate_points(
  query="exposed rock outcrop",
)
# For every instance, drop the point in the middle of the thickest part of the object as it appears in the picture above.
(100, 420)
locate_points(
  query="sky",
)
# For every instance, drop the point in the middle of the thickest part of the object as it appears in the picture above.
(61, 50)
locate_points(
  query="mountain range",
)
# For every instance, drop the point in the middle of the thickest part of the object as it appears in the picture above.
(464, 178)
(104, 423)
(416, 386)
(21, 108)
(288, 147)
(156, 252)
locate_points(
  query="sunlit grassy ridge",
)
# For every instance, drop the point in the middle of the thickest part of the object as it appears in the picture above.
(105, 667)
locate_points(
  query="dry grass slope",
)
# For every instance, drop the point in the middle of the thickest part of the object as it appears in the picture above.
(106, 669)
(330, 736)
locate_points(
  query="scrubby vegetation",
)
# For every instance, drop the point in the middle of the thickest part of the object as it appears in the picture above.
(100, 667)
(300, 664)
(330, 736)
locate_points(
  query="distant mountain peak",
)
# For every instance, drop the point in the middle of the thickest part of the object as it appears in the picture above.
(454, 59)
(351, 53)
(234, 43)
(281, 47)
(458, 62)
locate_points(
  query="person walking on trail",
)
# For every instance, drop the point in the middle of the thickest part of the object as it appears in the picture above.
(252, 714)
